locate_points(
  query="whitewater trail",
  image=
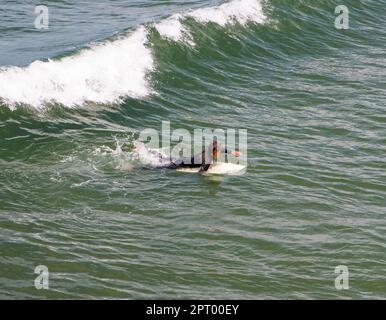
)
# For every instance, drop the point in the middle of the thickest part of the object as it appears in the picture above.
(107, 72)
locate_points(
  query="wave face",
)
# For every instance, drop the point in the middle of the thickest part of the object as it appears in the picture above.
(108, 72)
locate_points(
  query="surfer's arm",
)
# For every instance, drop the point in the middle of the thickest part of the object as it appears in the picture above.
(230, 151)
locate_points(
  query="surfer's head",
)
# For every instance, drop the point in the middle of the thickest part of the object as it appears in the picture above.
(215, 150)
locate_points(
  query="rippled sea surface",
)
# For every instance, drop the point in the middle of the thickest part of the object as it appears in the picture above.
(73, 99)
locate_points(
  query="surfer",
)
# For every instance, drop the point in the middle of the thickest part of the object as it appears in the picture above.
(202, 160)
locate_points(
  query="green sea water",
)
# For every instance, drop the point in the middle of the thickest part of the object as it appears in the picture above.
(312, 98)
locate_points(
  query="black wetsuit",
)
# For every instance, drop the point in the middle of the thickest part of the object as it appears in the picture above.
(202, 160)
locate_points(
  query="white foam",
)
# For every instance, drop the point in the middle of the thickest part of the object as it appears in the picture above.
(140, 155)
(149, 156)
(171, 28)
(101, 74)
(240, 11)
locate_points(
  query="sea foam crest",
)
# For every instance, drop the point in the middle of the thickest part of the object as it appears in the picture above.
(101, 74)
(240, 11)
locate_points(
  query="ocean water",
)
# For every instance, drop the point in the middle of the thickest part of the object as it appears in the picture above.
(74, 98)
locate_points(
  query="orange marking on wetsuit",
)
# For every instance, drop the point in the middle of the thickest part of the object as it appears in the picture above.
(216, 154)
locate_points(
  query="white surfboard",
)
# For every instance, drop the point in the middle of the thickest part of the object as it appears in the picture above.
(218, 168)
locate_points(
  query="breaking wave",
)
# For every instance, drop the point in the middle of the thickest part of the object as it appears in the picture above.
(106, 73)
